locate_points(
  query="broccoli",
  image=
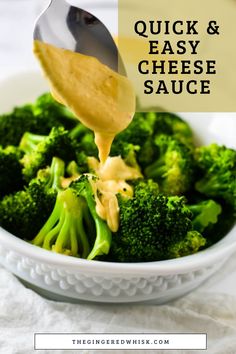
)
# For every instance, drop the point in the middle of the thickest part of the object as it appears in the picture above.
(127, 151)
(64, 230)
(136, 138)
(167, 124)
(14, 124)
(38, 118)
(49, 113)
(153, 227)
(29, 141)
(171, 124)
(217, 172)
(205, 214)
(87, 145)
(174, 166)
(24, 212)
(137, 132)
(85, 138)
(189, 245)
(102, 236)
(225, 221)
(11, 178)
(58, 143)
(147, 153)
(74, 228)
(79, 131)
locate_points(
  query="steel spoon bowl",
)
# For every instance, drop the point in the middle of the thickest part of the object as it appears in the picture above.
(75, 29)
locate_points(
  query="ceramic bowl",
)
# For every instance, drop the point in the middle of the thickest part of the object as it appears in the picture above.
(71, 279)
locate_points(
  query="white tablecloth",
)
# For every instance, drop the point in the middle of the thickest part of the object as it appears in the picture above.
(211, 308)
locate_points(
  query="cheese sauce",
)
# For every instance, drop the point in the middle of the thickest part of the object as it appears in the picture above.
(91, 90)
(95, 94)
(112, 180)
(112, 176)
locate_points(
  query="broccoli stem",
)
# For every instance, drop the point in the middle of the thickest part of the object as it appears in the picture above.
(103, 239)
(29, 141)
(48, 228)
(211, 185)
(64, 230)
(157, 169)
(103, 233)
(57, 172)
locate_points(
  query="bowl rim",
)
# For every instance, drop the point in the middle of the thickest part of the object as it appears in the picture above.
(207, 257)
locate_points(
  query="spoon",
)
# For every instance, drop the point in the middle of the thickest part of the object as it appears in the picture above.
(75, 29)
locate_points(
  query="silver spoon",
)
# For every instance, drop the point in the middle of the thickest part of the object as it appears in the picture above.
(69, 27)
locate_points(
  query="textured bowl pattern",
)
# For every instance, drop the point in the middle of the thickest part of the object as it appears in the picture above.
(109, 288)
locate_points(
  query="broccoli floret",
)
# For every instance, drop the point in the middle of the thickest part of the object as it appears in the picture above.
(174, 167)
(64, 230)
(87, 145)
(147, 153)
(85, 139)
(49, 113)
(226, 221)
(102, 236)
(145, 186)
(58, 143)
(71, 225)
(217, 169)
(14, 124)
(139, 136)
(79, 131)
(137, 132)
(11, 178)
(24, 212)
(189, 245)
(29, 141)
(38, 118)
(205, 214)
(127, 151)
(159, 124)
(143, 131)
(171, 124)
(151, 226)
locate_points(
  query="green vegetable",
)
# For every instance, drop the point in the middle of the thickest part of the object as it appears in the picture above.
(38, 118)
(29, 142)
(10, 170)
(217, 169)
(185, 202)
(24, 212)
(173, 169)
(137, 132)
(102, 236)
(153, 227)
(57, 144)
(14, 124)
(64, 230)
(127, 151)
(205, 214)
(189, 245)
(49, 113)
(74, 227)
(171, 124)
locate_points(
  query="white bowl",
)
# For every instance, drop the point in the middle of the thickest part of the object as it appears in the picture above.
(67, 278)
